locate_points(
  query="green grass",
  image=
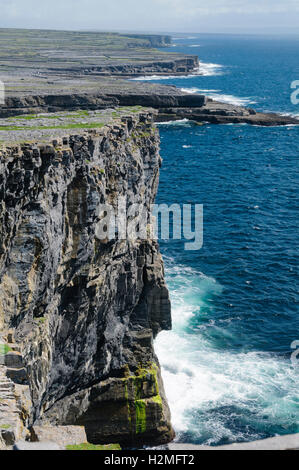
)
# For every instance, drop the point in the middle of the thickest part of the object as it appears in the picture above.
(4, 349)
(30, 117)
(40, 320)
(132, 109)
(87, 446)
(5, 426)
(27, 117)
(94, 125)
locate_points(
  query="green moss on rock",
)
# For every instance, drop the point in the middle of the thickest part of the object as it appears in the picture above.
(137, 400)
(140, 409)
(87, 446)
(157, 399)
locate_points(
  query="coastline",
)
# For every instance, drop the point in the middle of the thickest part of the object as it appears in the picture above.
(82, 93)
(43, 83)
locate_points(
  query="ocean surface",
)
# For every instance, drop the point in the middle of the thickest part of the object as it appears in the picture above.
(227, 363)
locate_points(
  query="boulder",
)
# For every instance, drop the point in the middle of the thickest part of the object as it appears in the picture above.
(61, 435)
(13, 359)
(23, 445)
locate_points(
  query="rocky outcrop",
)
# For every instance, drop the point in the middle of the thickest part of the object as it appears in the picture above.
(175, 66)
(169, 101)
(55, 103)
(61, 435)
(224, 113)
(15, 399)
(159, 100)
(51, 103)
(85, 310)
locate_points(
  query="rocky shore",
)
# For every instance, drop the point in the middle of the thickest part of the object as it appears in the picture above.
(171, 104)
(222, 113)
(87, 70)
(78, 315)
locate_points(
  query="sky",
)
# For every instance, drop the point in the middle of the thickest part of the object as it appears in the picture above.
(197, 16)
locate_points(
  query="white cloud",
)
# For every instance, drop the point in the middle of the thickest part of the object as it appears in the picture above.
(214, 7)
(172, 15)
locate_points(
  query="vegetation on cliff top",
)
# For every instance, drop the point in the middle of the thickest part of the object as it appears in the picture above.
(41, 127)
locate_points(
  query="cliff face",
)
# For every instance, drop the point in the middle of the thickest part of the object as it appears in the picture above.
(85, 311)
(140, 95)
(175, 66)
(155, 40)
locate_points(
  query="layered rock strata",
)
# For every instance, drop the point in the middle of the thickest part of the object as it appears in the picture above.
(171, 103)
(85, 310)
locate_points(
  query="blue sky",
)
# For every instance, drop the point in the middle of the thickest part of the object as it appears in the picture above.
(236, 16)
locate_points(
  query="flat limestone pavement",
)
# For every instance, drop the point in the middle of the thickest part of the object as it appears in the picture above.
(288, 442)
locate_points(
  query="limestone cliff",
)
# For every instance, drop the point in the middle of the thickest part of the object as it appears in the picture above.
(154, 40)
(85, 311)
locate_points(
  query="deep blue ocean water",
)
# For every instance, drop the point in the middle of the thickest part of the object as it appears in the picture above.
(226, 365)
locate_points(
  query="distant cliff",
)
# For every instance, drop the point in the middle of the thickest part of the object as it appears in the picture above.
(85, 311)
(155, 40)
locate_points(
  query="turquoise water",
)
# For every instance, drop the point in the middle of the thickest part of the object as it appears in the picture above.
(227, 363)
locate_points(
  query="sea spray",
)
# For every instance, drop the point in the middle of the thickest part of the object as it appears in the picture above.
(219, 396)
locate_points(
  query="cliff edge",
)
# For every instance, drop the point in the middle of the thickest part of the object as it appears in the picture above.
(84, 311)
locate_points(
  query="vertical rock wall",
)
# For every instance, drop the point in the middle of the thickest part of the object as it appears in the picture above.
(85, 310)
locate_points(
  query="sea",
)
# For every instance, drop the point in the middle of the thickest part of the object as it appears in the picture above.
(230, 365)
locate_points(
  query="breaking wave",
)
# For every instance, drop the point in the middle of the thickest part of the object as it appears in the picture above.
(204, 69)
(220, 394)
(208, 69)
(222, 98)
(179, 122)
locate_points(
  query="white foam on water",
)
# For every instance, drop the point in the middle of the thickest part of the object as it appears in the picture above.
(148, 78)
(183, 38)
(190, 90)
(231, 99)
(218, 96)
(198, 377)
(200, 90)
(204, 69)
(209, 69)
(179, 122)
(294, 115)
